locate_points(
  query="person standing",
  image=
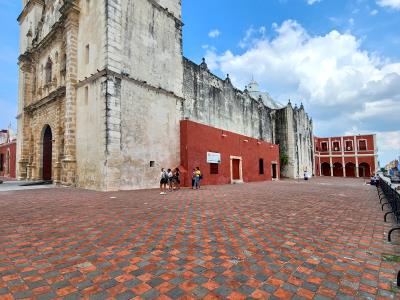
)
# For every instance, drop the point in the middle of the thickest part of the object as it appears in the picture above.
(197, 178)
(177, 179)
(193, 178)
(163, 181)
(170, 178)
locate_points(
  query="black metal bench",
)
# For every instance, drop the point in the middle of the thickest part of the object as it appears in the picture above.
(388, 196)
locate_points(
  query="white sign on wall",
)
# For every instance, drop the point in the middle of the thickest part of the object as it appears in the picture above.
(213, 158)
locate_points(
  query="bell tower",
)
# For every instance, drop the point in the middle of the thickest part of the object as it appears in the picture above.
(142, 95)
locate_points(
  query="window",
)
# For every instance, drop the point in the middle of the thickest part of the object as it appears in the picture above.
(64, 63)
(324, 146)
(86, 95)
(213, 169)
(362, 145)
(336, 146)
(152, 164)
(49, 71)
(349, 145)
(87, 52)
(261, 166)
(1, 162)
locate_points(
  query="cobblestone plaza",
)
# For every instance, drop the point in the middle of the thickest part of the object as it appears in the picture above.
(322, 239)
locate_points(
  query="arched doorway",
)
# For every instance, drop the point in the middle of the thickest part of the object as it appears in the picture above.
(350, 170)
(337, 170)
(363, 170)
(325, 169)
(47, 153)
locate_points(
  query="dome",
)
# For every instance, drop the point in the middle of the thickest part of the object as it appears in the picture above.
(254, 91)
(253, 86)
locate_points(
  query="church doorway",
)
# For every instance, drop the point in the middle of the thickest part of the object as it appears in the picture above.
(47, 153)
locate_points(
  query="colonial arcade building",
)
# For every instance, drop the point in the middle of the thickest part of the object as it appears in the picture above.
(346, 156)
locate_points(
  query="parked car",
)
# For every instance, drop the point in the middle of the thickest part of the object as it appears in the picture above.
(394, 179)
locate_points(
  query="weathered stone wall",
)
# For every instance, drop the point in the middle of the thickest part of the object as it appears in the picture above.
(91, 95)
(215, 102)
(304, 141)
(29, 21)
(294, 132)
(152, 44)
(90, 134)
(140, 98)
(147, 139)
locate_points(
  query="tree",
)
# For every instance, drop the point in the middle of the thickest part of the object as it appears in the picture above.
(284, 159)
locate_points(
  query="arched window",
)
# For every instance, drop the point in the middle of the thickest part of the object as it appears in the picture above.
(49, 70)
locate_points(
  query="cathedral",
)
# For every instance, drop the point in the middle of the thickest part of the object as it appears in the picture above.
(104, 88)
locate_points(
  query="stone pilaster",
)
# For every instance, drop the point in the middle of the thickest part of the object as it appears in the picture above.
(342, 147)
(25, 97)
(59, 155)
(113, 133)
(71, 12)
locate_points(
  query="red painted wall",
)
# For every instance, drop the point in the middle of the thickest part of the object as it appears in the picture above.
(198, 139)
(13, 159)
(364, 156)
(369, 139)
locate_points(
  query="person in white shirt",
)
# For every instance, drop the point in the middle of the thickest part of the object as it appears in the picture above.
(163, 181)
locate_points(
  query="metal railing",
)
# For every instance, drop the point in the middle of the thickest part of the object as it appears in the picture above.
(388, 196)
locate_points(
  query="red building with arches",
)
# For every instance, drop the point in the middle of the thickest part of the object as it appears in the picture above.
(346, 156)
(8, 149)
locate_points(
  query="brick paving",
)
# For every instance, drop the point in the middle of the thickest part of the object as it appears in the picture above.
(322, 239)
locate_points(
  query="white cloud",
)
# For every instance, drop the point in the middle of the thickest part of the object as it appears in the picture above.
(311, 2)
(374, 12)
(395, 4)
(341, 85)
(214, 33)
(389, 141)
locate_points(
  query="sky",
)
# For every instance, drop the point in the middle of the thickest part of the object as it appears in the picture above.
(339, 58)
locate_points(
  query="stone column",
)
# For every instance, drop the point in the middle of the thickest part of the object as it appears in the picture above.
(330, 155)
(71, 11)
(343, 160)
(25, 98)
(356, 155)
(58, 150)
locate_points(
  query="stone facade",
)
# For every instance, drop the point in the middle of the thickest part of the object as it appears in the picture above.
(95, 72)
(215, 102)
(109, 79)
